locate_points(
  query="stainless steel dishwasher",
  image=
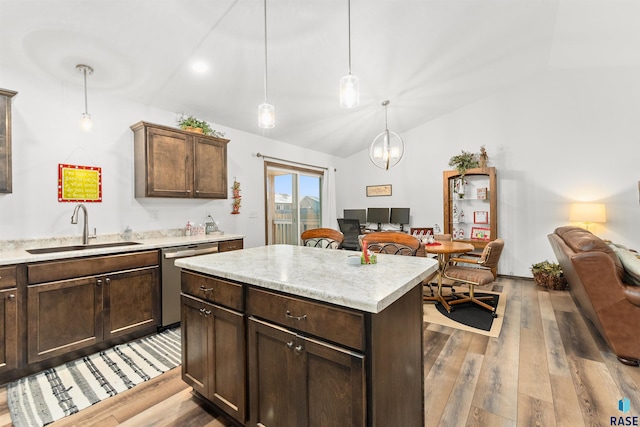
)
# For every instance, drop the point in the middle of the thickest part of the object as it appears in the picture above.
(171, 277)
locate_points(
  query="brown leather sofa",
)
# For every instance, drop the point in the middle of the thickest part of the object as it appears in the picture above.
(595, 277)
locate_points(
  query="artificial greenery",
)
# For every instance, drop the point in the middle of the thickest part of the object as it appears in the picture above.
(464, 161)
(547, 267)
(549, 275)
(192, 122)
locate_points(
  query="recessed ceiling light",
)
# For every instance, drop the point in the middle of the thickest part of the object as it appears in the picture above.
(200, 67)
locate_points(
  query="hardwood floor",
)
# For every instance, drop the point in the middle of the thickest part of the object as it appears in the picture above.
(548, 367)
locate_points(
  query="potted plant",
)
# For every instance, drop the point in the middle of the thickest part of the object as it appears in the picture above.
(193, 124)
(463, 162)
(549, 275)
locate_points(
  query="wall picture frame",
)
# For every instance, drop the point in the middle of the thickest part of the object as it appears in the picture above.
(481, 217)
(480, 233)
(378, 190)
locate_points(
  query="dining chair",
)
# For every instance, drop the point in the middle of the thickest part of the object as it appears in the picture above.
(477, 272)
(392, 242)
(326, 238)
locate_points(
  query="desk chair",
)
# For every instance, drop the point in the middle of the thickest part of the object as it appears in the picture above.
(326, 238)
(350, 228)
(477, 275)
(391, 242)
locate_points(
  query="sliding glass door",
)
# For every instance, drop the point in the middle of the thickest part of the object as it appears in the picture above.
(293, 202)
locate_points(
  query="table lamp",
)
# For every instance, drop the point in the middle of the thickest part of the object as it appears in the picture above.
(587, 213)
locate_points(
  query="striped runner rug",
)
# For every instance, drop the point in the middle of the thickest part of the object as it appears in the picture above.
(45, 397)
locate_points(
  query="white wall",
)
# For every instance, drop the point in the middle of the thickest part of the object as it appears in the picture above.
(568, 135)
(45, 121)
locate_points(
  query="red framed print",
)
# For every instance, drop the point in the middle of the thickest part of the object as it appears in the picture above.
(480, 233)
(79, 183)
(481, 217)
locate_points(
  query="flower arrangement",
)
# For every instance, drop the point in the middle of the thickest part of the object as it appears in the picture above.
(236, 197)
(464, 161)
(194, 124)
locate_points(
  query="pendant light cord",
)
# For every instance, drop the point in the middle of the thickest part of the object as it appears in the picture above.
(86, 108)
(349, 27)
(265, 51)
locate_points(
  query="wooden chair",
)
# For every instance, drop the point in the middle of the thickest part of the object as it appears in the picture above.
(477, 275)
(326, 238)
(391, 242)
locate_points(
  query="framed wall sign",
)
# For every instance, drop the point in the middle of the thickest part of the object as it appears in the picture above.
(480, 233)
(79, 183)
(378, 190)
(481, 217)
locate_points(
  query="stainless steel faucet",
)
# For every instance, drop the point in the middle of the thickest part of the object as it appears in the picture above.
(85, 231)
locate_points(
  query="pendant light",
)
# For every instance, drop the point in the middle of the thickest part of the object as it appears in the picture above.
(86, 123)
(387, 149)
(266, 111)
(349, 84)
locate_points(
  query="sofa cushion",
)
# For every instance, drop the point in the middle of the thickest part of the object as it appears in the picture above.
(631, 264)
(581, 240)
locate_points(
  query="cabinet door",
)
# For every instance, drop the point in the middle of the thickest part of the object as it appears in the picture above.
(210, 168)
(335, 385)
(214, 354)
(169, 164)
(8, 329)
(63, 316)
(131, 301)
(272, 375)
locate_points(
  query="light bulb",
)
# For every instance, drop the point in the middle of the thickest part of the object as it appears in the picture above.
(86, 123)
(266, 116)
(349, 91)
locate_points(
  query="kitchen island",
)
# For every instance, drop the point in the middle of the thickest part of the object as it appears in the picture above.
(294, 336)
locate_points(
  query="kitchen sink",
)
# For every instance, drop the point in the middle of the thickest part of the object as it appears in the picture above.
(79, 247)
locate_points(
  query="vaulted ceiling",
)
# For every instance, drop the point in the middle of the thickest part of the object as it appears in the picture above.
(427, 57)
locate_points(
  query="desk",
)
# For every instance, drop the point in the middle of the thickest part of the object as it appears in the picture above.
(445, 248)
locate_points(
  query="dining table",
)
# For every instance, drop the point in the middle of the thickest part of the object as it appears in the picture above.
(441, 249)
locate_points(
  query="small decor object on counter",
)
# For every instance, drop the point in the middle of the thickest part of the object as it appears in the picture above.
(549, 275)
(187, 229)
(236, 197)
(127, 233)
(367, 257)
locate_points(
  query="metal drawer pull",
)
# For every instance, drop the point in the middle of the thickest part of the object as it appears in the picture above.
(290, 344)
(290, 316)
(201, 311)
(12, 296)
(205, 290)
(298, 349)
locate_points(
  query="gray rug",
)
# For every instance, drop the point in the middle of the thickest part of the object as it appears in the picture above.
(45, 397)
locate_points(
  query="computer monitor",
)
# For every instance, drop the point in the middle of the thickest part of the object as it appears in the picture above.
(399, 216)
(378, 216)
(359, 214)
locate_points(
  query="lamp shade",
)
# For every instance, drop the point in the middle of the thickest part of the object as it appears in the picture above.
(588, 212)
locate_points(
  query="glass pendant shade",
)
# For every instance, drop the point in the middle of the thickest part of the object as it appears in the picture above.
(387, 148)
(266, 116)
(349, 91)
(86, 123)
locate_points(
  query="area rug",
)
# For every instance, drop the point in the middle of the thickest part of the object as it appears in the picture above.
(45, 397)
(468, 317)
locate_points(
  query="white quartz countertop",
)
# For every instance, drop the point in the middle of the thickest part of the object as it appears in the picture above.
(319, 274)
(20, 255)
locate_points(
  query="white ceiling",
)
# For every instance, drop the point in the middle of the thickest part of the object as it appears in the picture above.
(427, 57)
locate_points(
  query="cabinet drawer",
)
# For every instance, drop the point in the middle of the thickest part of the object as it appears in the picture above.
(212, 289)
(335, 324)
(230, 245)
(7, 277)
(67, 269)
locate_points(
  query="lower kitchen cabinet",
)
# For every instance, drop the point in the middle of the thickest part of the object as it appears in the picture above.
(300, 381)
(8, 329)
(213, 354)
(75, 304)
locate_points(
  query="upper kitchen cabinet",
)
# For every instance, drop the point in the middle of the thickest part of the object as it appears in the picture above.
(5, 140)
(171, 162)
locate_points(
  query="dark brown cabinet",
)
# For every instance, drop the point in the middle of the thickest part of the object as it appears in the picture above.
(170, 162)
(5, 140)
(9, 304)
(74, 304)
(213, 342)
(230, 245)
(296, 380)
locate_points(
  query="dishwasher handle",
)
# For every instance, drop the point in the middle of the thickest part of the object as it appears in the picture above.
(187, 252)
